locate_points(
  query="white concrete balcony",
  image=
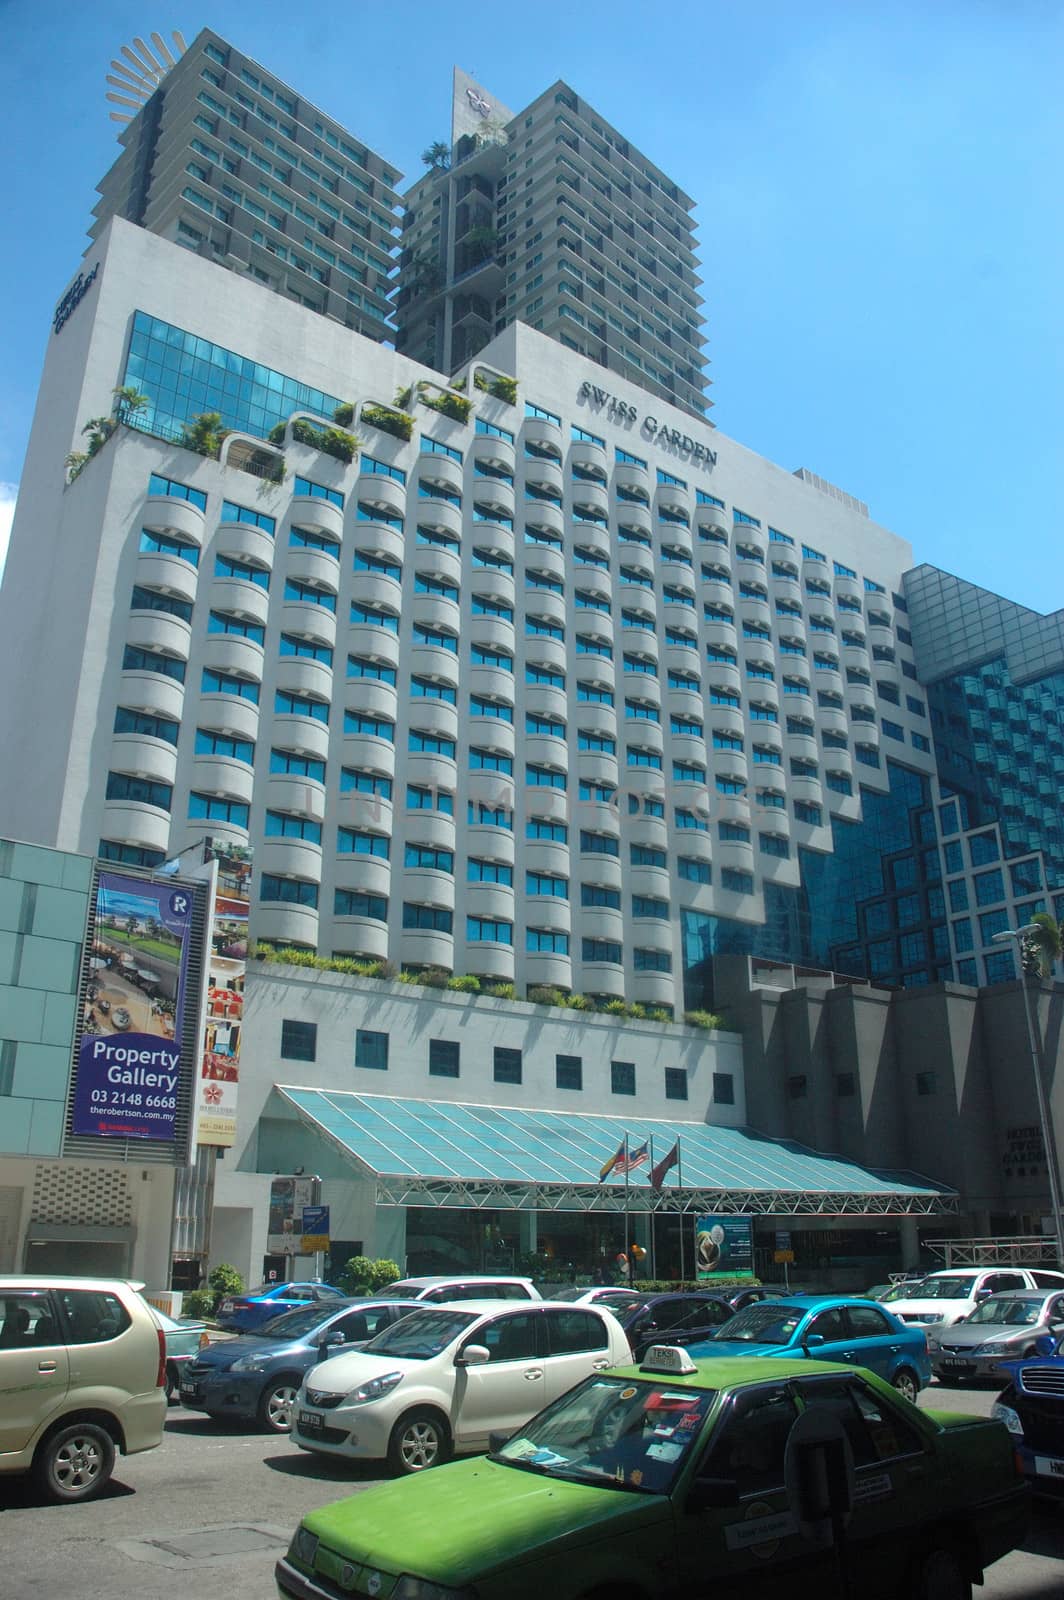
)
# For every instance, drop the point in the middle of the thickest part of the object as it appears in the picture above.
(590, 498)
(547, 855)
(495, 496)
(489, 733)
(302, 677)
(234, 655)
(311, 622)
(539, 473)
(592, 457)
(626, 475)
(382, 493)
(630, 514)
(302, 735)
(546, 701)
(361, 935)
(597, 719)
(656, 989)
(168, 574)
(431, 771)
(722, 635)
(489, 451)
(144, 756)
(278, 922)
(164, 513)
(546, 970)
(861, 694)
(723, 675)
(546, 435)
(131, 823)
(489, 583)
(246, 600)
(421, 947)
(713, 517)
(219, 775)
(321, 516)
(440, 472)
(541, 514)
(290, 858)
(435, 717)
(232, 715)
(160, 632)
(831, 719)
(380, 644)
(289, 791)
(380, 592)
(363, 874)
(848, 588)
(548, 912)
(240, 541)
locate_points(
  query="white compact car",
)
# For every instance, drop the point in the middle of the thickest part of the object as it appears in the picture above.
(950, 1296)
(470, 1286)
(445, 1378)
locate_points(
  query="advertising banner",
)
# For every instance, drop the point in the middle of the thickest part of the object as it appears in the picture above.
(289, 1198)
(724, 1247)
(227, 967)
(130, 1051)
(315, 1230)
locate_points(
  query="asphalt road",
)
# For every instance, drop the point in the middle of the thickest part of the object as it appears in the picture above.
(205, 1516)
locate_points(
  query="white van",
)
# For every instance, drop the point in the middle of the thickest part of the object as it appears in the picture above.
(951, 1295)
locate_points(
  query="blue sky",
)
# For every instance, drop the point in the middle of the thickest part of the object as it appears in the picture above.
(878, 199)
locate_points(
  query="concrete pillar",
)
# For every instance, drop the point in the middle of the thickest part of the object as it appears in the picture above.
(389, 1235)
(909, 1239)
(529, 1232)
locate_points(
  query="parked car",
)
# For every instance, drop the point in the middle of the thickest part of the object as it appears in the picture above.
(184, 1341)
(954, 1293)
(1001, 1328)
(257, 1376)
(242, 1312)
(445, 1377)
(82, 1377)
(679, 1319)
(614, 1299)
(439, 1290)
(1032, 1408)
(828, 1328)
(751, 1294)
(668, 1479)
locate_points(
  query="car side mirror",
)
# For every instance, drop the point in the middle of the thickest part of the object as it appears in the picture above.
(960, 1320)
(983, 1294)
(1046, 1344)
(811, 1341)
(709, 1493)
(474, 1355)
(331, 1337)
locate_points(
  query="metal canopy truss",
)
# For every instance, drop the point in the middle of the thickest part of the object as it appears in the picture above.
(443, 1193)
(508, 1158)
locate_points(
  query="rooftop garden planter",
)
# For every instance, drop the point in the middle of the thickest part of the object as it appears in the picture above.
(497, 385)
(455, 406)
(398, 423)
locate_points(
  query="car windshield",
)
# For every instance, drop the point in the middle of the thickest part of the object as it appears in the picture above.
(615, 1433)
(903, 1291)
(294, 1324)
(1008, 1313)
(764, 1323)
(421, 1335)
(941, 1289)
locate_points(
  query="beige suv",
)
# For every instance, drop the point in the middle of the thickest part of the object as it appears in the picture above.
(82, 1376)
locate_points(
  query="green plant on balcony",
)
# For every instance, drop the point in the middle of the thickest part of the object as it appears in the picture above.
(466, 983)
(205, 434)
(344, 414)
(455, 406)
(127, 400)
(404, 398)
(438, 156)
(703, 1019)
(497, 385)
(398, 423)
(74, 463)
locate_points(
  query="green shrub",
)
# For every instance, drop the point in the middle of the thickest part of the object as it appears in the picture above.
(198, 1303)
(580, 1002)
(542, 994)
(344, 414)
(468, 983)
(398, 423)
(455, 406)
(504, 389)
(360, 1275)
(500, 991)
(616, 1008)
(222, 1280)
(658, 1014)
(702, 1019)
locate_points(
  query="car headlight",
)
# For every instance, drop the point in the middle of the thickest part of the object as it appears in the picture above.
(411, 1588)
(375, 1389)
(996, 1347)
(252, 1363)
(1010, 1418)
(304, 1546)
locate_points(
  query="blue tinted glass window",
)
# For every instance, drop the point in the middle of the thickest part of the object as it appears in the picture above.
(1026, 876)
(958, 895)
(962, 933)
(953, 856)
(983, 848)
(1000, 966)
(968, 972)
(992, 922)
(989, 887)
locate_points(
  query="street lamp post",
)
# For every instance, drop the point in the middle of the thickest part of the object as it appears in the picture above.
(1048, 1141)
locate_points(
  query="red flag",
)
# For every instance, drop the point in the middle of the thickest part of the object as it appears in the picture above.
(656, 1175)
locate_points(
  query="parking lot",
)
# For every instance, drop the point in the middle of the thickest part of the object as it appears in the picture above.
(207, 1514)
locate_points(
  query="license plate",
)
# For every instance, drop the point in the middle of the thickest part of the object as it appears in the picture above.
(189, 1391)
(1049, 1466)
(225, 1307)
(955, 1365)
(310, 1421)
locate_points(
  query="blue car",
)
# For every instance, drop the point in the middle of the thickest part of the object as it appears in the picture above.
(1032, 1408)
(242, 1312)
(828, 1328)
(256, 1377)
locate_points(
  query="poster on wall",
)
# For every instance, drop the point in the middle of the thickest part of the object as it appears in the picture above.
(289, 1198)
(724, 1247)
(227, 967)
(130, 1053)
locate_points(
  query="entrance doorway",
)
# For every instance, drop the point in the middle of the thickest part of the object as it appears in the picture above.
(96, 1258)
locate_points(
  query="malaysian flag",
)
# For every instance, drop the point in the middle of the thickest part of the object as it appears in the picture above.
(633, 1158)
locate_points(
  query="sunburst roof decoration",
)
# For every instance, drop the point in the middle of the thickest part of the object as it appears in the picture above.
(141, 73)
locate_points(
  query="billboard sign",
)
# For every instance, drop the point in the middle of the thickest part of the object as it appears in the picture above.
(129, 1058)
(227, 967)
(724, 1247)
(315, 1230)
(289, 1198)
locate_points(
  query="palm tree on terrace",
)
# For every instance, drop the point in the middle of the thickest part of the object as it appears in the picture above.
(1043, 947)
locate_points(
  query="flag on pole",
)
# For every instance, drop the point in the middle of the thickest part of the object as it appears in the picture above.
(616, 1161)
(656, 1175)
(635, 1158)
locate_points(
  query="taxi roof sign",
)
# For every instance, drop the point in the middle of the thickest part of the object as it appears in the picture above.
(671, 1358)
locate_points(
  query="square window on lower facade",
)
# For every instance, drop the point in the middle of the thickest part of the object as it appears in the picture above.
(371, 1049)
(299, 1040)
(675, 1083)
(569, 1072)
(443, 1058)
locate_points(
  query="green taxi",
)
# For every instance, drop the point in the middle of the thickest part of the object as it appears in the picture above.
(678, 1478)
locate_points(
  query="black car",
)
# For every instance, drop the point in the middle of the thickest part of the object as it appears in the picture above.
(681, 1318)
(257, 1376)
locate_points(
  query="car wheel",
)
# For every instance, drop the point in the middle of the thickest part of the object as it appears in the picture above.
(939, 1576)
(276, 1405)
(76, 1462)
(419, 1440)
(905, 1383)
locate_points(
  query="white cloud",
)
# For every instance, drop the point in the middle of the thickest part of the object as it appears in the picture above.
(8, 495)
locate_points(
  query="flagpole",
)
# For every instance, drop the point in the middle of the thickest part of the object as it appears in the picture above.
(679, 1190)
(627, 1247)
(653, 1241)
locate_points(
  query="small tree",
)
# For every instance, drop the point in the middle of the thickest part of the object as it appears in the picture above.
(222, 1280)
(204, 434)
(438, 156)
(361, 1275)
(127, 398)
(1040, 951)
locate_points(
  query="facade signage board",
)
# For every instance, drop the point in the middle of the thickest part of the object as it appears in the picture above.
(724, 1247)
(227, 967)
(129, 1058)
(652, 430)
(73, 298)
(289, 1198)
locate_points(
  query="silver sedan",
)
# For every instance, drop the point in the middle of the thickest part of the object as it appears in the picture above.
(1003, 1327)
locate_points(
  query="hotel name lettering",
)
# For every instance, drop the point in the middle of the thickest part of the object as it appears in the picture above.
(669, 438)
(73, 298)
